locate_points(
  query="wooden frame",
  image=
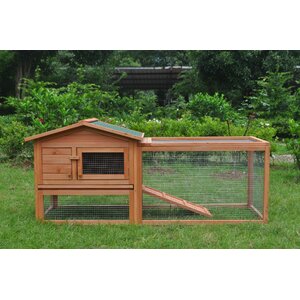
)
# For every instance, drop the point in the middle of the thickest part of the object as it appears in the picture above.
(58, 166)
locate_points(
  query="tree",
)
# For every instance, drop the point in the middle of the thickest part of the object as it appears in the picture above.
(273, 98)
(233, 73)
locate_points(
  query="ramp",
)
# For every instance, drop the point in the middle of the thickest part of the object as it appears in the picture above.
(196, 208)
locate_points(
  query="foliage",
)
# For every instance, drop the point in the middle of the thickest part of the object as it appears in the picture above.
(216, 106)
(293, 143)
(12, 136)
(46, 107)
(273, 98)
(233, 73)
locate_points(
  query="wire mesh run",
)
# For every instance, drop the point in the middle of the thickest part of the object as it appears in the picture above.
(86, 207)
(103, 163)
(221, 182)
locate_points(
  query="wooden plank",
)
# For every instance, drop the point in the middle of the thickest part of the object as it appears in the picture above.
(199, 209)
(84, 192)
(90, 120)
(74, 165)
(206, 147)
(57, 169)
(56, 151)
(57, 176)
(56, 159)
(250, 177)
(93, 144)
(138, 181)
(201, 138)
(87, 182)
(193, 222)
(266, 183)
(39, 205)
(37, 180)
(88, 222)
(98, 186)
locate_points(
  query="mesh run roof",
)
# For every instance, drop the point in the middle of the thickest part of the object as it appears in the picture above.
(118, 128)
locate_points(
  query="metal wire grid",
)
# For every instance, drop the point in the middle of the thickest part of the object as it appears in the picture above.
(103, 163)
(86, 207)
(216, 180)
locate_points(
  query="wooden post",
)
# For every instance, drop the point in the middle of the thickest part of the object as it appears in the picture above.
(138, 180)
(250, 177)
(266, 182)
(39, 199)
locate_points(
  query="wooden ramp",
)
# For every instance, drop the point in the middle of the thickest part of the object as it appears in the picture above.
(196, 208)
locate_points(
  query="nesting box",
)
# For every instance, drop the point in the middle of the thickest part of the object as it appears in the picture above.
(95, 172)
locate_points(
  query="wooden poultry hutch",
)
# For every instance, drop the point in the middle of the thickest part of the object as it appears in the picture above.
(95, 172)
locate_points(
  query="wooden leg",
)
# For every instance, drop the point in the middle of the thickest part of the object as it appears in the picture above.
(131, 207)
(250, 177)
(39, 205)
(54, 201)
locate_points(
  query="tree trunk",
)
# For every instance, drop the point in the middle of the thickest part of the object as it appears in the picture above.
(23, 71)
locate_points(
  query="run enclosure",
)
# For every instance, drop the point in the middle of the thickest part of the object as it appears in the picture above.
(93, 172)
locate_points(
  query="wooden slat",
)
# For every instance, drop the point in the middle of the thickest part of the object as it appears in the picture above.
(57, 176)
(57, 169)
(177, 201)
(87, 182)
(193, 222)
(56, 151)
(97, 187)
(57, 159)
(205, 147)
(88, 222)
(94, 192)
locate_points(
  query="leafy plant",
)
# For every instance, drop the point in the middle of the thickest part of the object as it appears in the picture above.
(274, 98)
(293, 143)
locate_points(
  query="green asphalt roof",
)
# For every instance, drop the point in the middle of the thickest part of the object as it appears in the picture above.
(118, 128)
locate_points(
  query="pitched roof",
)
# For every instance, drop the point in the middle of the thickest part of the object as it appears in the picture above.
(95, 124)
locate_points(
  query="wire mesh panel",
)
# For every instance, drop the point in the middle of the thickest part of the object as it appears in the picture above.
(218, 181)
(86, 207)
(103, 163)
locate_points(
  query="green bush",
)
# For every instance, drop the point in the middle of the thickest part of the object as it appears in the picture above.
(12, 143)
(46, 107)
(203, 105)
(293, 143)
(274, 98)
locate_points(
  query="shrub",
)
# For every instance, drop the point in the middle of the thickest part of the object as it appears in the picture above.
(273, 97)
(46, 107)
(216, 106)
(12, 141)
(293, 143)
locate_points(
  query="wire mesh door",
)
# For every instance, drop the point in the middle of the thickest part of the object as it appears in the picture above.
(103, 163)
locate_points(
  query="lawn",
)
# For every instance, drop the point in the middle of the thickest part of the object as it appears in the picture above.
(19, 229)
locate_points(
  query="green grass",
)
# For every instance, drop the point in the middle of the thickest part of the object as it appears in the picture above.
(19, 229)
